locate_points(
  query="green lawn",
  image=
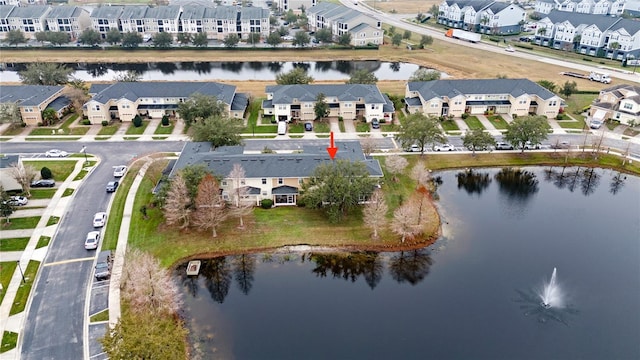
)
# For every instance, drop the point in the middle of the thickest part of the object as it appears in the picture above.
(263, 129)
(341, 126)
(473, 123)
(69, 120)
(14, 244)
(571, 124)
(297, 128)
(362, 127)
(498, 122)
(68, 138)
(101, 316)
(165, 130)
(578, 102)
(6, 273)
(109, 129)
(9, 341)
(43, 241)
(42, 193)
(60, 169)
(132, 130)
(55, 131)
(13, 130)
(322, 127)
(20, 223)
(22, 295)
(449, 125)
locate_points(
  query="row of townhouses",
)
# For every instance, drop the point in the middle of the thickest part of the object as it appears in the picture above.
(596, 7)
(595, 35)
(364, 29)
(483, 16)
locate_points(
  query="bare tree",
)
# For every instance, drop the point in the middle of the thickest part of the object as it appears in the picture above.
(146, 285)
(404, 221)
(24, 175)
(210, 207)
(396, 164)
(421, 174)
(375, 212)
(176, 207)
(241, 205)
(77, 96)
(368, 145)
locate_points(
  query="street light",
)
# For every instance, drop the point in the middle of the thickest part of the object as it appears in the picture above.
(21, 273)
(84, 150)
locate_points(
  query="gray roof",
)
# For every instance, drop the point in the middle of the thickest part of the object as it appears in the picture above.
(190, 12)
(30, 12)
(253, 13)
(328, 10)
(413, 101)
(576, 19)
(169, 89)
(452, 88)
(388, 105)
(5, 11)
(284, 94)
(222, 13)
(240, 102)
(64, 12)
(163, 12)
(27, 95)
(632, 26)
(7, 160)
(293, 165)
(107, 12)
(477, 5)
(496, 7)
(360, 27)
(59, 103)
(134, 12)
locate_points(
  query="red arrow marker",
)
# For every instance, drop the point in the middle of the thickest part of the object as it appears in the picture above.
(332, 150)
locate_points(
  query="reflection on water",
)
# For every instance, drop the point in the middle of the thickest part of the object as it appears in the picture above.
(529, 301)
(473, 181)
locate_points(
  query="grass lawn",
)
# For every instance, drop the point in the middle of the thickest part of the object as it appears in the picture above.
(9, 341)
(6, 273)
(297, 128)
(20, 223)
(43, 241)
(68, 138)
(13, 130)
(576, 103)
(449, 125)
(67, 192)
(22, 295)
(362, 127)
(322, 127)
(631, 132)
(611, 125)
(571, 124)
(70, 120)
(109, 129)
(498, 122)
(164, 130)
(42, 193)
(14, 244)
(341, 126)
(101, 316)
(473, 123)
(60, 169)
(78, 130)
(132, 130)
(263, 129)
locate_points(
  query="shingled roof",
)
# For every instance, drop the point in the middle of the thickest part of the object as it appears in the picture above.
(169, 89)
(452, 88)
(27, 95)
(284, 94)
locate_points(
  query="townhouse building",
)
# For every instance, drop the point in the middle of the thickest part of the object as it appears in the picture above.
(589, 34)
(31, 100)
(72, 20)
(5, 27)
(105, 18)
(132, 19)
(28, 19)
(278, 177)
(162, 19)
(363, 28)
(484, 16)
(515, 97)
(297, 6)
(125, 100)
(620, 103)
(349, 101)
(596, 7)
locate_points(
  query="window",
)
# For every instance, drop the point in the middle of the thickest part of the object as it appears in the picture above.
(627, 106)
(224, 182)
(280, 181)
(264, 181)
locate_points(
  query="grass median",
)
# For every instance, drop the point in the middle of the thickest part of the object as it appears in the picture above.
(22, 295)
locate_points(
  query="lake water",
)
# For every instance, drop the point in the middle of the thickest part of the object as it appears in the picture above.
(471, 295)
(232, 71)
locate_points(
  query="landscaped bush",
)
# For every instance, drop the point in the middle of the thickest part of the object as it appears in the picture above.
(266, 203)
(23, 124)
(137, 121)
(165, 120)
(464, 115)
(86, 122)
(45, 172)
(105, 123)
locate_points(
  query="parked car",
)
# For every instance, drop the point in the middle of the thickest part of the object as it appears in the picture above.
(561, 145)
(119, 171)
(308, 126)
(531, 146)
(444, 147)
(99, 219)
(91, 242)
(103, 266)
(287, 38)
(413, 148)
(112, 186)
(503, 146)
(509, 49)
(375, 124)
(43, 183)
(56, 153)
(18, 201)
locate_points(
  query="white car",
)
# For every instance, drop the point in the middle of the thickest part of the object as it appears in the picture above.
(18, 200)
(91, 242)
(287, 38)
(413, 148)
(119, 171)
(56, 153)
(99, 219)
(509, 49)
(444, 147)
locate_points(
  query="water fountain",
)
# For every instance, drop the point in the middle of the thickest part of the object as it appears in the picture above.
(551, 294)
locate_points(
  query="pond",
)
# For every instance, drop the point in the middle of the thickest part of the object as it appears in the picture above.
(474, 294)
(232, 71)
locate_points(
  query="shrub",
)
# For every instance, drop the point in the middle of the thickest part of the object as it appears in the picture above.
(137, 121)
(39, 124)
(45, 173)
(165, 120)
(266, 203)
(514, 116)
(105, 123)
(23, 124)
(86, 122)
(464, 115)
(340, 118)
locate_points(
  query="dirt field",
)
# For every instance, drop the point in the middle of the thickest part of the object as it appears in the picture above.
(404, 6)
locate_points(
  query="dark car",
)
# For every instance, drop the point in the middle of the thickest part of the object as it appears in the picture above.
(112, 186)
(43, 183)
(103, 266)
(375, 124)
(308, 126)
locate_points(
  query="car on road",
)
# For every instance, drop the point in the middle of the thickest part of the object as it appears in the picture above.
(112, 186)
(308, 126)
(287, 38)
(18, 200)
(103, 266)
(56, 153)
(91, 242)
(119, 171)
(375, 124)
(509, 49)
(444, 147)
(43, 183)
(413, 148)
(503, 146)
(99, 219)
(531, 146)
(561, 145)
